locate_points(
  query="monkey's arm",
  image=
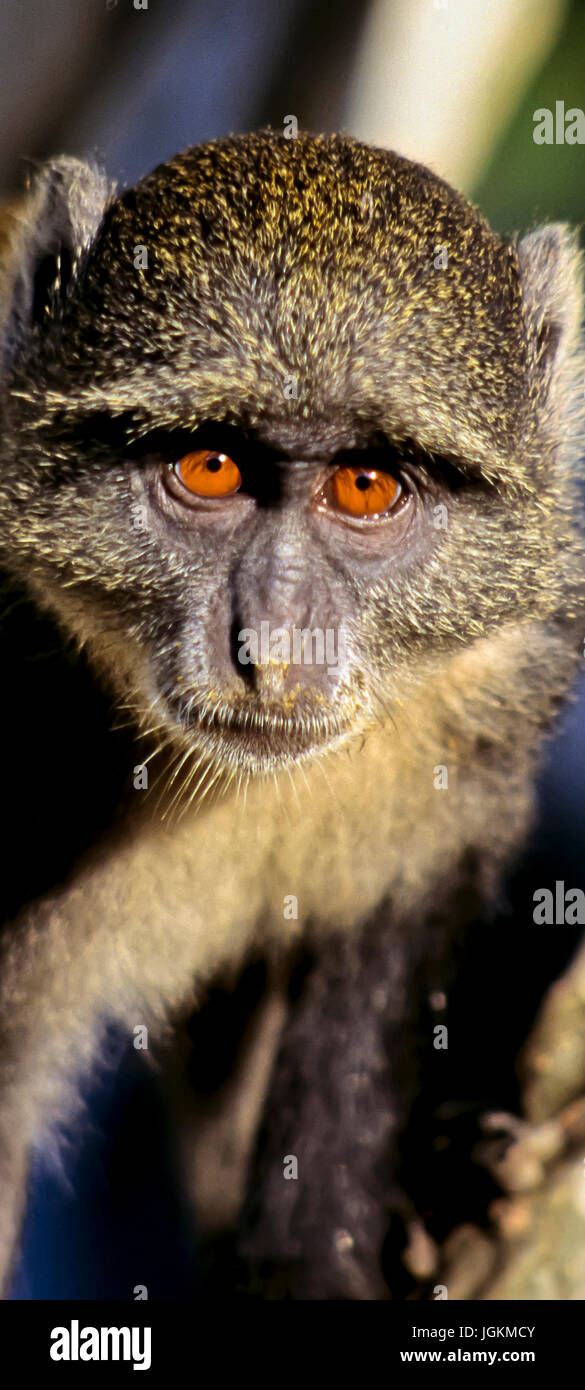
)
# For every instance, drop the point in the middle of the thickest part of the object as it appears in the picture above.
(130, 938)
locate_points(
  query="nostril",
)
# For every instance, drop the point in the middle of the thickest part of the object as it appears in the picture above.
(241, 657)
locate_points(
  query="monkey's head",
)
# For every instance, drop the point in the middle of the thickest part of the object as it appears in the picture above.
(284, 428)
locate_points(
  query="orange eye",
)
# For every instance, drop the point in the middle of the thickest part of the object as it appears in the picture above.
(209, 474)
(364, 492)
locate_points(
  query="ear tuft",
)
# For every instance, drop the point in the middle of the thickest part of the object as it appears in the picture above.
(47, 235)
(551, 274)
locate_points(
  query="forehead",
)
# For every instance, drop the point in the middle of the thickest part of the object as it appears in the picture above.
(306, 278)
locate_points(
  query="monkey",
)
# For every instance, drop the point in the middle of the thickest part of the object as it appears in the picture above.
(290, 442)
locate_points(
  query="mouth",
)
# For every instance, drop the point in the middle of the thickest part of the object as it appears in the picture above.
(255, 737)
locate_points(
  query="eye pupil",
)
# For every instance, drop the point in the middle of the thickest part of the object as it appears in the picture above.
(363, 482)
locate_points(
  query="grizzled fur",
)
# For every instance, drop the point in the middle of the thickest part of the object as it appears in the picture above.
(316, 261)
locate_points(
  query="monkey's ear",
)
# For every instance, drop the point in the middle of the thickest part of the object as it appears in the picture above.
(551, 273)
(44, 239)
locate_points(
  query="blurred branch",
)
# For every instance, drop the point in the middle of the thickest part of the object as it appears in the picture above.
(440, 82)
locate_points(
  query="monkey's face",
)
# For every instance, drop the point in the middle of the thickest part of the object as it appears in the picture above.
(269, 447)
(252, 603)
(272, 566)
